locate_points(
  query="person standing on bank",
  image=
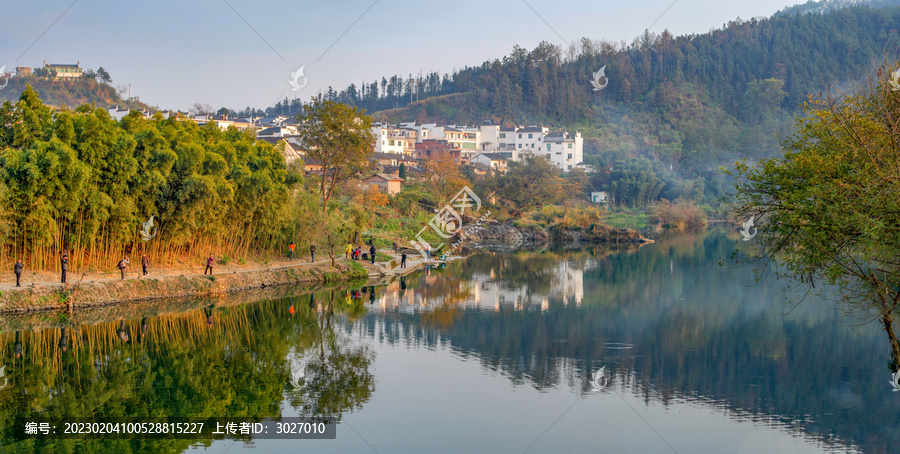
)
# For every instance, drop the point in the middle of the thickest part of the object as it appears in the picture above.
(17, 268)
(64, 264)
(372, 251)
(122, 265)
(209, 265)
(349, 250)
(145, 263)
(403, 259)
(291, 247)
(312, 252)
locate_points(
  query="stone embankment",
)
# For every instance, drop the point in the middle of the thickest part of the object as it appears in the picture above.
(505, 236)
(110, 291)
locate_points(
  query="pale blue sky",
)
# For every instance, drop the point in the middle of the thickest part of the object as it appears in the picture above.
(178, 52)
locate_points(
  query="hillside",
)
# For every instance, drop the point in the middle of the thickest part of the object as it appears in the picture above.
(693, 102)
(67, 92)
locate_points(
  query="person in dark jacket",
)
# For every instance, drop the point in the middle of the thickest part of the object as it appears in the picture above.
(403, 259)
(372, 251)
(145, 263)
(17, 268)
(312, 252)
(209, 265)
(122, 265)
(64, 264)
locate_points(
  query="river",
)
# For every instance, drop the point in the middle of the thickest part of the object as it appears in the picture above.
(665, 347)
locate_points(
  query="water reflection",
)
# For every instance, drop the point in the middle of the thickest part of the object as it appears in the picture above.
(664, 326)
(665, 323)
(211, 362)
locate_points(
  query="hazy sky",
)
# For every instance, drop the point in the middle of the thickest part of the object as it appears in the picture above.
(239, 53)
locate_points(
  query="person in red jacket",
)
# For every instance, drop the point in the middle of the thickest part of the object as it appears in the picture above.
(209, 265)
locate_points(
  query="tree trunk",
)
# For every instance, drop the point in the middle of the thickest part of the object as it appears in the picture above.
(887, 320)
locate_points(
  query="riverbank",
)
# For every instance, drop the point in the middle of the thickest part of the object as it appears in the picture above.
(103, 290)
(39, 293)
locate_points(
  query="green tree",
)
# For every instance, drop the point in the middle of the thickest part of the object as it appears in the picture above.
(829, 208)
(532, 182)
(103, 76)
(339, 137)
(402, 171)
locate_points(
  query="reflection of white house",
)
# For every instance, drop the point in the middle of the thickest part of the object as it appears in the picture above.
(487, 292)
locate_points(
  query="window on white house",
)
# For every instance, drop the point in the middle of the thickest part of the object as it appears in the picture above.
(520, 136)
(529, 136)
(570, 145)
(548, 156)
(570, 156)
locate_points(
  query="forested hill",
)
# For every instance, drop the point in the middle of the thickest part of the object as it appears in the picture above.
(68, 92)
(553, 83)
(688, 100)
(824, 6)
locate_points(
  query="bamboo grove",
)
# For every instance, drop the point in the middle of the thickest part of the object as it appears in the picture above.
(83, 181)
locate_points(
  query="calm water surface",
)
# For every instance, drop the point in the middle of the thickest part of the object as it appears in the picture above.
(634, 350)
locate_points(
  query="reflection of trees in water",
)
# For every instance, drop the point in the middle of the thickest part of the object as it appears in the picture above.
(172, 366)
(336, 372)
(723, 341)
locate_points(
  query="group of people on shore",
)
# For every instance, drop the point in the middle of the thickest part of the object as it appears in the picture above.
(352, 253)
(312, 251)
(355, 253)
(122, 265)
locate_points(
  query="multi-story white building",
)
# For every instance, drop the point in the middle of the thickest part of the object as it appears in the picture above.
(391, 139)
(564, 149)
(463, 137)
(529, 138)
